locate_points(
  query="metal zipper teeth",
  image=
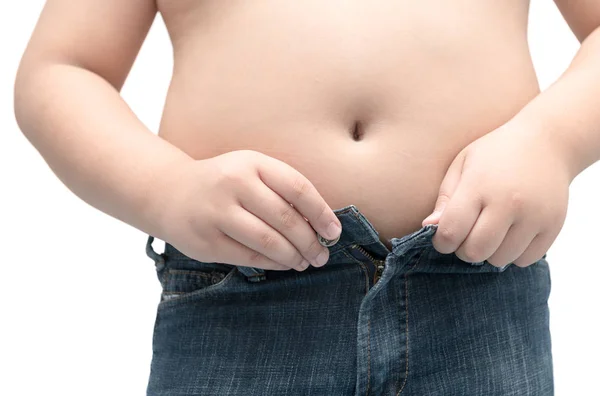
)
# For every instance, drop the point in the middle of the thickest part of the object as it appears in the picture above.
(363, 251)
(380, 264)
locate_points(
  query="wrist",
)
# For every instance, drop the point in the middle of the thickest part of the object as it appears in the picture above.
(543, 131)
(549, 139)
(160, 196)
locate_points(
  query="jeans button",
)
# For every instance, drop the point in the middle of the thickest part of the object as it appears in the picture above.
(327, 242)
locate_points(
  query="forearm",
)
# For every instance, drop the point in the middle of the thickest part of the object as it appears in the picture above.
(94, 143)
(567, 112)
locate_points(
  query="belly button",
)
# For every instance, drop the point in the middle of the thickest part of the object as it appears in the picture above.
(357, 131)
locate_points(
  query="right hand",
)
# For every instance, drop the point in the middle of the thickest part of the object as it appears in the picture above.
(246, 208)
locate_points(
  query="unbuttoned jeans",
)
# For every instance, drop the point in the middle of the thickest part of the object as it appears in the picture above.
(430, 325)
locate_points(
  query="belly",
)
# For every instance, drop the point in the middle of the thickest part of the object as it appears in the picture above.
(371, 101)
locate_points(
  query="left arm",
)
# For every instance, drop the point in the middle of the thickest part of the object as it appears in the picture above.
(505, 196)
(567, 112)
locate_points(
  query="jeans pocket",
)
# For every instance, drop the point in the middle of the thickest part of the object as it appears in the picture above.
(180, 283)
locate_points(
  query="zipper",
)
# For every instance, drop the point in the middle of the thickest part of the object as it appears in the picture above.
(379, 264)
(380, 267)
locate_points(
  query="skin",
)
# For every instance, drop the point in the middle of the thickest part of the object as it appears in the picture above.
(443, 96)
(504, 198)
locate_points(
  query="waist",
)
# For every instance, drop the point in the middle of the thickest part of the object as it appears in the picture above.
(392, 173)
(377, 133)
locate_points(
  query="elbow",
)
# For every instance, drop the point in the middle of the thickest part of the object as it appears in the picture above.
(26, 89)
(20, 90)
(23, 86)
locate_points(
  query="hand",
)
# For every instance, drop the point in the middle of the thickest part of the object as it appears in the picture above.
(503, 199)
(246, 208)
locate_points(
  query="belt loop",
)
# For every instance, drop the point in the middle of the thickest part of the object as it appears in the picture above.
(159, 259)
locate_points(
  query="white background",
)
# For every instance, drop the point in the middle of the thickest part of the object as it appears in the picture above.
(78, 293)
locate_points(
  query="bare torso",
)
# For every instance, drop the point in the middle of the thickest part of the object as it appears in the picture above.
(371, 101)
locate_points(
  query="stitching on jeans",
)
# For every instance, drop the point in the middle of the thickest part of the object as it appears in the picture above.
(166, 278)
(419, 259)
(338, 246)
(363, 225)
(348, 209)
(368, 357)
(349, 256)
(362, 266)
(163, 284)
(198, 273)
(170, 304)
(354, 211)
(366, 272)
(406, 302)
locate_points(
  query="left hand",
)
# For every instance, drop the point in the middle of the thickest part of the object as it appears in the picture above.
(504, 198)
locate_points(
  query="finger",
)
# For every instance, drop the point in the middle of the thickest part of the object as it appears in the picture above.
(267, 205)
(257, 235)
(486, 236)
(447, 188)
(231, 251)
(536, 250)
(457, 220)
(296, 189)
(518, 238)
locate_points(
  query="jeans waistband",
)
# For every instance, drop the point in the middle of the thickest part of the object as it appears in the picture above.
(356, 230)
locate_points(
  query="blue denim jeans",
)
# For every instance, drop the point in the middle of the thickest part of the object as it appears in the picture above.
(370, 322)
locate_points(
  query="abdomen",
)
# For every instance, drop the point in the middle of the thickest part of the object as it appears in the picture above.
(371, 101)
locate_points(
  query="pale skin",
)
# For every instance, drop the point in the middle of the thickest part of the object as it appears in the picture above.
(263, 105)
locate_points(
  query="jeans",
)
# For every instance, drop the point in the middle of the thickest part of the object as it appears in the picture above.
(370, 322)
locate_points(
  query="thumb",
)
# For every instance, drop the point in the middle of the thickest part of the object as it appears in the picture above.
(447, 189)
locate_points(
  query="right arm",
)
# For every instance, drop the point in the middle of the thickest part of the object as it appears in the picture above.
(68, 105)
(233, 208)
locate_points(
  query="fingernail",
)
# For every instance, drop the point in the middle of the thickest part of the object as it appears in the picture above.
(322, 258)
(430, 217)
(333, 231)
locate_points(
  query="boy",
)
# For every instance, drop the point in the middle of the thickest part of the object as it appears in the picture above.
(318, 136)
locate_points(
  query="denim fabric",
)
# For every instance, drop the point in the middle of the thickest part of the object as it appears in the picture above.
(431, 325)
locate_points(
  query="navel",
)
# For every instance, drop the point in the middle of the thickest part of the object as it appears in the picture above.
(357, 131)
